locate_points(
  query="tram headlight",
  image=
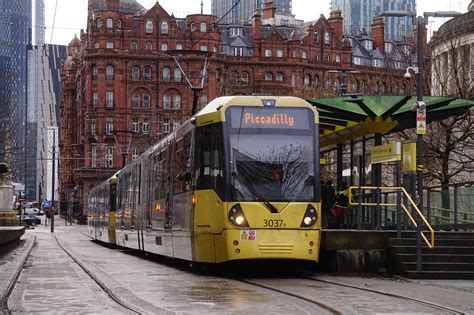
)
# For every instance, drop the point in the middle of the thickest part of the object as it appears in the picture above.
(310, 217)
(237, 217)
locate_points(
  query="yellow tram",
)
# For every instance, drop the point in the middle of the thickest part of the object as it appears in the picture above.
(238, 181)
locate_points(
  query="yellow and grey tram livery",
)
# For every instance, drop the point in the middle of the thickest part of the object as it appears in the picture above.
(101, 216)
(238, 181)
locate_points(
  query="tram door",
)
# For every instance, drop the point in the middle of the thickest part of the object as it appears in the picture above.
(140, 210)
(169, 195)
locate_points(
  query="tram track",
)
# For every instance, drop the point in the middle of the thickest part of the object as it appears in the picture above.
(392, 295)
(4, 309)
(100, 283)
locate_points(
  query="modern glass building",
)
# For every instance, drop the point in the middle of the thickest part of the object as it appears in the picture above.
(244, 11)
(19, 19)
(358, 15)
(44, 95)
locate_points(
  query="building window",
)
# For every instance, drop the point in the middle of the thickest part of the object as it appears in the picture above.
(96, 45)
(164, 46)
(166, 101)
(109, 156)
(164, 27)
(203, 47)
(307, 79)
(109, 72)
(235, 31)
(203, 27)
(99, 23)
(245, 78)
(193, 27)
(109, 99)
(316, 57)
(149, 46)
(234, 78)
(93, 127)
(357, 60)
(135, 154)
(304, 55)
(293, 80)
(338, 58)
(166, 74)
(279, 76)
(176, 101)
(177, 75)
(327, 57)
(377, 63)
(268, 76)
(238, 51)
(109, 126)
(166, 125)
(179, 46)
(119, 24)
(94, 156)
(110, 23)
(136, 100)
(147, 73)
(95, 99)
(279, 53)
(110, 45)
(146, 100)
(135, 73)
(327, 38)
(316, 37)
(149, 26)
(146, 126)
(176, 124)
(268, 52)
(95, 72)
(203, 101)
(135, 125)
(134, 46)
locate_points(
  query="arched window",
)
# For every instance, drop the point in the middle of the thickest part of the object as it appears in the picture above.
(203, 27)
(166, 74)
(135, 73)
(268, 76)
(95, 72)
(136, 100)
(245, 78)
(149, 26)
(327, 38)
(166, 101)
(234, 77)
(110, 23)
(164, 27)
(149, 46)
(109, 72)
(279, 76)
(172, 100)
(307, 79)
(176, 101)
(146, 100)
(147, 73)
(177, 75)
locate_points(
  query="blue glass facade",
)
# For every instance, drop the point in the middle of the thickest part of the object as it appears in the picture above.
(245, 10)
(15, 35)
(358, 15)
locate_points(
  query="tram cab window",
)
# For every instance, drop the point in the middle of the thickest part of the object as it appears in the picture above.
(209, 159)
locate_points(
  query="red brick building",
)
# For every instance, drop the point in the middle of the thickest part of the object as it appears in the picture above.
(123, 90)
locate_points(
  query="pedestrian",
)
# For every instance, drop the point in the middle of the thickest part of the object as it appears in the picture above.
(327, 201)
(48, 217)
(340, 206)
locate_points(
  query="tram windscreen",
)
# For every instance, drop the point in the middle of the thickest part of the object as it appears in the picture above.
(273, 153)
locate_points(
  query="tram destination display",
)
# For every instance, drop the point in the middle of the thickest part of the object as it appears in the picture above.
(269, 118)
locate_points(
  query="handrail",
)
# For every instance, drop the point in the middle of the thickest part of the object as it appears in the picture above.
(401, 189)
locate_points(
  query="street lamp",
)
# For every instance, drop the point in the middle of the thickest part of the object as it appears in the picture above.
(419, 106)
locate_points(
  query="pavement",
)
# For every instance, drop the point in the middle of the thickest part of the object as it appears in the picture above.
(51, 282)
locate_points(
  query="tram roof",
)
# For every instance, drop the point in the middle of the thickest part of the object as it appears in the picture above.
(342, 119)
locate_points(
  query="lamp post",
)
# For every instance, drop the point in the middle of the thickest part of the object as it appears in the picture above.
(420, 107)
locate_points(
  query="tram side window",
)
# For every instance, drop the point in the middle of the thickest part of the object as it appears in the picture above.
(209, 159)
(182, 181)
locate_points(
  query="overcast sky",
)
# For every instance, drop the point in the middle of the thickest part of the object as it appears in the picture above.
(71, 15)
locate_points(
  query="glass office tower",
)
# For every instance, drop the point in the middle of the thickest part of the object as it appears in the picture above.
(244, 11)
(358, 15)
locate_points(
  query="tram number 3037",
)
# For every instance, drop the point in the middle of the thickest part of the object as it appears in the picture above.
(275, 223)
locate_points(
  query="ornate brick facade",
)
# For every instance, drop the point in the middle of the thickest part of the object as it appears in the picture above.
(124, 91)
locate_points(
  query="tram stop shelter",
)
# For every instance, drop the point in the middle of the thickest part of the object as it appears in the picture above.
(351, 125)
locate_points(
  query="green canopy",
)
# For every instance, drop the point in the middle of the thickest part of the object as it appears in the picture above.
(343, 119)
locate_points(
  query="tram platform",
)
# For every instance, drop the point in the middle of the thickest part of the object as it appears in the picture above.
(10, 233)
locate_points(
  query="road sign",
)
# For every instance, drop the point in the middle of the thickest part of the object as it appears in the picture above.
(421, 120)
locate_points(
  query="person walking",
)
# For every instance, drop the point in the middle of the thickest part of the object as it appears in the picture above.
(328, 195)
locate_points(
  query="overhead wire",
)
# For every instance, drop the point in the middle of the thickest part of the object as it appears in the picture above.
(54, 20)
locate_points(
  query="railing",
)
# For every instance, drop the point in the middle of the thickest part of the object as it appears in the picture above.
(399, 205)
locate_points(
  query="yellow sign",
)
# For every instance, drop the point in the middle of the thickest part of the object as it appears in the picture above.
(386, 153)
(409, 157)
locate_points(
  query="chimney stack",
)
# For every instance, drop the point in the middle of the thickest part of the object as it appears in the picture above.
(378, 33)
(269, 9)
(335, 20)
(256, 23)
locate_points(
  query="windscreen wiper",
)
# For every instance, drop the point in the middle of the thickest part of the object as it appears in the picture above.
(255, 192)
